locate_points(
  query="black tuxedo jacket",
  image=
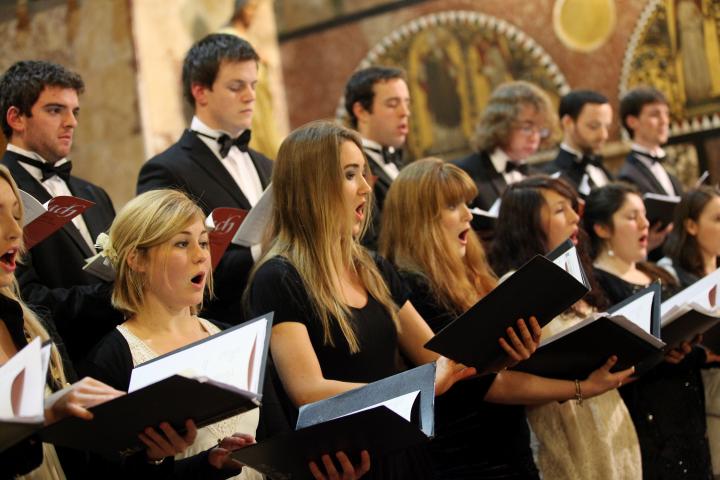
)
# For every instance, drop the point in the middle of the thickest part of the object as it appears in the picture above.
(635, 172)
(51, 277)
(571, 170)
(189, 165)
(380, 189)
(489, 182)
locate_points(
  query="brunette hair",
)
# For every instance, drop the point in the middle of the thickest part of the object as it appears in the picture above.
(680, 246)
(412, 236)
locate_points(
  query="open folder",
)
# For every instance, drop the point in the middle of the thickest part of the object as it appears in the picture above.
(207, 381)
(543, 287)
(691, 312)
(382, 417)
(42, 220)
(223, 224)
(629, 330)
(660, 208)
(22, 393)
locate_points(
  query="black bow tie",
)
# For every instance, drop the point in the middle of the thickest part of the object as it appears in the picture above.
(589, 159)
(226, 143)
(48, 169)
(392, 155)
(653, 158)
(520, 167)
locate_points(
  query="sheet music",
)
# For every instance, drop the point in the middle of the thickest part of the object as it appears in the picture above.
(401, 405)
(639, 311)
(253, 227)
(232, 358)
(701, 296)
(22, 385)
(495, 208)
(32, 208)
(570, 262)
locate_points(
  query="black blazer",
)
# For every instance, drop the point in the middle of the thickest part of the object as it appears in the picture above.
(191, 166)
(380, 189)
(635, 172)
(571, 170)
(489, 182)
(51, 277)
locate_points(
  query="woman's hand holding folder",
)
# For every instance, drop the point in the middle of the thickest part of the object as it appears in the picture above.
(349, 471)
(602, 380)
(75, 400)
(521, 346)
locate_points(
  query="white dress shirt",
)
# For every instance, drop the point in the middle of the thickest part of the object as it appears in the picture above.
(599, 178)
(238, 163)
(655, 168)
(499, 160)
(374, 151)
(55, 186)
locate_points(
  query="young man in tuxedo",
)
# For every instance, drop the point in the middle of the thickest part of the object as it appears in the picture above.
(39, 102)
(377, 101)
(585, 117)
(517, 119)
(645, 115)
(211, 161)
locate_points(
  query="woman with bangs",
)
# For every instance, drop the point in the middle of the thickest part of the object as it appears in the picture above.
(672, 445)
(31, 459)
(426, 234)
(158, 245)
(342, 315)
(591, 438)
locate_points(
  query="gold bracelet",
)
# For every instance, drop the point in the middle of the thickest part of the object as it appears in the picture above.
(578, 393)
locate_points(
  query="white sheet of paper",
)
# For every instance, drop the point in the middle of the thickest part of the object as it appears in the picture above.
(33, 209)
(401, 405)
(30, 406)
(495, 208)
(639, 312)
(695, 296)
(225, 358)
(570, 262)
(252, 228)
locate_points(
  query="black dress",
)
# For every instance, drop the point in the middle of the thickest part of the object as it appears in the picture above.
(474, 439)
(278, 287)
(667, 405)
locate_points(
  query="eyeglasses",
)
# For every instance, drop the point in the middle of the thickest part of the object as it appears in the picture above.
(529, 128)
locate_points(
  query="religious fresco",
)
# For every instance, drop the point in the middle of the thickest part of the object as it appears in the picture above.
(676, 48)
(454, 59)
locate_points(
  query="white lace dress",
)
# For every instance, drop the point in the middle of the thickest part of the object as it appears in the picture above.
(207, 437)
(594, 441)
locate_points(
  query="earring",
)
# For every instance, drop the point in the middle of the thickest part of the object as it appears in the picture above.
(610, 252)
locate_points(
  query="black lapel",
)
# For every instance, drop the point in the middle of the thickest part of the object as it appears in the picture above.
(265, 176)
(208, 162)
(497, 179)
(647, 174)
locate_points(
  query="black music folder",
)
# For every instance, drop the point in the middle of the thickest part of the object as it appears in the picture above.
(693, 311)
(629, 330)
(207, 381)
(382, 417)
(660, 208)
(542, 287)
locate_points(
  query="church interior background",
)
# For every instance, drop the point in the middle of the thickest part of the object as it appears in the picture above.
(455, 52)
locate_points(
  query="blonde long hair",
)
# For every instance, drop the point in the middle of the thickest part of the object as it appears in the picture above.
(307, 225)
(31, 324)
(146, 221)
(412, 236)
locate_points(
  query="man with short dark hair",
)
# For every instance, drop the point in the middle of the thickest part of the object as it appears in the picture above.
(39, 103)
(211, 161)
(377, 101)
(585, 117)
(645, 115)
